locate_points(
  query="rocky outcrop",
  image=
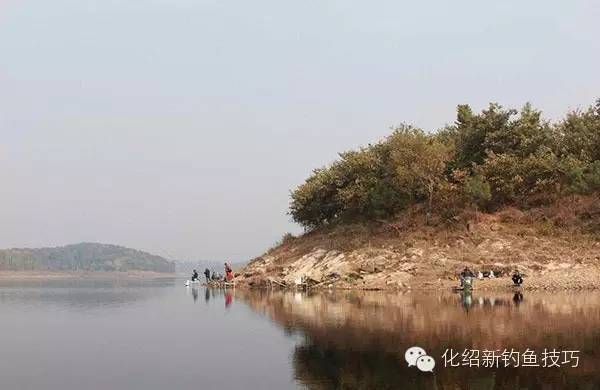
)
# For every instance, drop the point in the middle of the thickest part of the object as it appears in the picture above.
(430, 257)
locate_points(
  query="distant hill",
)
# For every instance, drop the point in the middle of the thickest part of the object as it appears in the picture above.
(83, 257)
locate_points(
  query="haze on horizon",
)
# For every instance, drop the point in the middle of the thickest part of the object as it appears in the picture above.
(179, 127)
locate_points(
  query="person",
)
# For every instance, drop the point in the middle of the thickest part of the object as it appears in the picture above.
(228, 273)
(207, 275)
(466, 278)
(517, 278)
(195, 276)
(467, 272)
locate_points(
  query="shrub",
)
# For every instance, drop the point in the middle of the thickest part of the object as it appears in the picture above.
(579, 134)
(521, 181)
(478, 191)
(287, 238)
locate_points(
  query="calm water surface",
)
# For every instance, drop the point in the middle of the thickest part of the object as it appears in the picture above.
(161, 335)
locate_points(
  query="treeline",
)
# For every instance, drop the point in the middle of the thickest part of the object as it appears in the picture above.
(484, 160)
(83, 257)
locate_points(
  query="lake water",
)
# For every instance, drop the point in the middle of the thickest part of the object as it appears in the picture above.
(161, 335)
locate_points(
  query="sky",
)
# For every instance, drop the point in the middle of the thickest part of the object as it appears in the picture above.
(180, 127)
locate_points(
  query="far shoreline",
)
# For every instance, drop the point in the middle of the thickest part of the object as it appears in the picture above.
(92, 275)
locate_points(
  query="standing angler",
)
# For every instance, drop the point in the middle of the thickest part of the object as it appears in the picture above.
(228, 273)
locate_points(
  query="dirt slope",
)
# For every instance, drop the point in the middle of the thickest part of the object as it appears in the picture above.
(556, 247)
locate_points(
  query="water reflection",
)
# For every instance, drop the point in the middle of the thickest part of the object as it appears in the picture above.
(356, 340)
(518, 298)
(80, 294)
(213, 293)
(468, 302)
(228, 299)
(146, 336)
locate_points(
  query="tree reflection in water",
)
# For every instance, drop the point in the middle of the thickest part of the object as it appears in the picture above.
(357, 340)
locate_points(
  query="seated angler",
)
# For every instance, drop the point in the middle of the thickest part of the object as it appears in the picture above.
(466, 278)
(517, 278)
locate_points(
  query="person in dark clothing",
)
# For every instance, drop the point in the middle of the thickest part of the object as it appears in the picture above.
(467, 272)
(466, 278)
(207, 275)
(517, 278)
(195, 276)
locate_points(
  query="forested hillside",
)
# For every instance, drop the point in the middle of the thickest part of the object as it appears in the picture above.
(484, 161)
(83, 257)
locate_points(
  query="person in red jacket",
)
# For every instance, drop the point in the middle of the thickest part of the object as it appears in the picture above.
(228, 273)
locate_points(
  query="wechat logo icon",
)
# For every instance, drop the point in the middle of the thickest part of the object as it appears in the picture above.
(416, 356)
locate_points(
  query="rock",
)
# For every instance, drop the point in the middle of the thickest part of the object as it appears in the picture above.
(408, 267)
(418, 252)
(498, 246)
(442, 260)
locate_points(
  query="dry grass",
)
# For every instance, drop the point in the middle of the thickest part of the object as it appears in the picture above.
(537, 240)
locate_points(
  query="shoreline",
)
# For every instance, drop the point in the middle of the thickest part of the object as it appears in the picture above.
(420, 257)
(505, 287)
(587, 279)
(574, 277)
(56, 275)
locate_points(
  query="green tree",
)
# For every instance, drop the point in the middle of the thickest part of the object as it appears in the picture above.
(314, 202)
(522, 181)
(478, 191)
(580, 134)
(472, 132)
(420, 162)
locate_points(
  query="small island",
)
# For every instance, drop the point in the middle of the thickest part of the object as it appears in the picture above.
(498, 191)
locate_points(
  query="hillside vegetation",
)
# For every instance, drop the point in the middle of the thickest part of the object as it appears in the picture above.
(82, 257)
(499, 157)
(496, 191)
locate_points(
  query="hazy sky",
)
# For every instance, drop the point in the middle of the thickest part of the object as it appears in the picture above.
(180, 126)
